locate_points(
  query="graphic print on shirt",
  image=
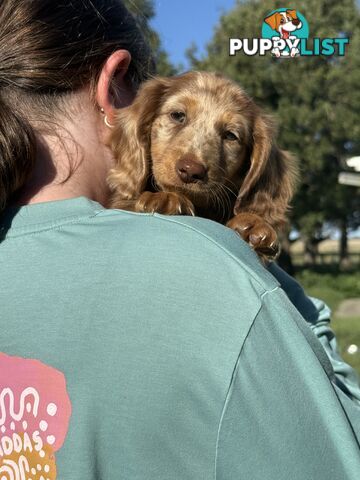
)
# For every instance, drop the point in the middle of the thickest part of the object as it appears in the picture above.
(34, 416)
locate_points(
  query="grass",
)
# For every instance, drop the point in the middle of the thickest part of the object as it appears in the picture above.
(347, 332)
(333, 286)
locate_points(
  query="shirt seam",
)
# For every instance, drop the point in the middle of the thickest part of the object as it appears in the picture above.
(229, 390)
(46, 227)
(97, 214)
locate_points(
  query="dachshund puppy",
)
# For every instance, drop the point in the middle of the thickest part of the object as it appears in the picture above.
(197, 144)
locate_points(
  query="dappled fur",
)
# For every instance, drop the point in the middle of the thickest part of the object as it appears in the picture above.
(245, 175)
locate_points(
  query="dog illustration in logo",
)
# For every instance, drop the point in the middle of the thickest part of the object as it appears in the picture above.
(284, 23)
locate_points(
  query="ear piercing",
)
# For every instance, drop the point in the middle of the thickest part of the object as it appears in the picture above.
(106, 121)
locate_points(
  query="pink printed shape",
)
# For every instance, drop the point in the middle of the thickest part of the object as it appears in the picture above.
(33, 399)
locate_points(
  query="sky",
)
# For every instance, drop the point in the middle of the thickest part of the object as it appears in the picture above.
(181, 22)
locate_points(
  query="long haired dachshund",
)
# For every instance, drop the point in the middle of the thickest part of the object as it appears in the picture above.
(197, 144)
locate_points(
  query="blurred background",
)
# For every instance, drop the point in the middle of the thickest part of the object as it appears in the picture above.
(316, 101)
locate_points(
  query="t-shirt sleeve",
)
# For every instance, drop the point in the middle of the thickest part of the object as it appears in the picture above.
(284, 417)
(318, 316)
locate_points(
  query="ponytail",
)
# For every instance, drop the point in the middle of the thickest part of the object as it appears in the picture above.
(17, 152)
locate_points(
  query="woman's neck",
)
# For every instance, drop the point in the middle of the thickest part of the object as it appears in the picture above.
(69, 165)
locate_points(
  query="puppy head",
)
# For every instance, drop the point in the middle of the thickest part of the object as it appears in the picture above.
(196, 118)
(200, 134)
(199, 137)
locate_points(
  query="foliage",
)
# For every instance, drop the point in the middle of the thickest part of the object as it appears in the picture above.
(316, 101)
(143, 11)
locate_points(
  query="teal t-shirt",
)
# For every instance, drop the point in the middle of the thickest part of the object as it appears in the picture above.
(143, 347)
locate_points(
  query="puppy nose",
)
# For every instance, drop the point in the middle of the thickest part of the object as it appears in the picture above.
(296, 21)
(189, 170)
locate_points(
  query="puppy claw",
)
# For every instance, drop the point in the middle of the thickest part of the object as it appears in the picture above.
(165, 203)
(244, 228)
(257, 232)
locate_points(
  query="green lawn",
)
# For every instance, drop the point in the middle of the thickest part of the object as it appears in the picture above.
(333, 286)
(348, 332)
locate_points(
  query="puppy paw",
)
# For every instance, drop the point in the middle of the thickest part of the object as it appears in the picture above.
(257, 232)
(166, 203)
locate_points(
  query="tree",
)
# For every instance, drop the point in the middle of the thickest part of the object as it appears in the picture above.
(316, 101)
(143, 11)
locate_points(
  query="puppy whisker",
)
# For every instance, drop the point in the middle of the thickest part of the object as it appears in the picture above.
(226, 179)
(220, 195)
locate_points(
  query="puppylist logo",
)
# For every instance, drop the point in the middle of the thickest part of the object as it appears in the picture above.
(285, 33)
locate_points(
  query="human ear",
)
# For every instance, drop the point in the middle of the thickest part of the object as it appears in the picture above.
(112, 90)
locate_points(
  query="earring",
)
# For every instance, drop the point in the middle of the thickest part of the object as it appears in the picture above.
(106, 121)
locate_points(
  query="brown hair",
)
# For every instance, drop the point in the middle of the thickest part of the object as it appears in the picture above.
(47, 50)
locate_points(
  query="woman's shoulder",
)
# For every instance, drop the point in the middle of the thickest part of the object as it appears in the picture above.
(84, 228)
(189, 238)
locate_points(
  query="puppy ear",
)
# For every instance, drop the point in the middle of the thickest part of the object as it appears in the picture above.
(270, 181)
(130, 140)
(273, 20)
(292, 13)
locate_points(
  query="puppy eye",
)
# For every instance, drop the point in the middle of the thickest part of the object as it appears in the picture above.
(230, 136)
(282, 21)
(178, 117)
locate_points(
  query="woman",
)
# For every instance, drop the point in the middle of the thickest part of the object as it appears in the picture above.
(136, 346)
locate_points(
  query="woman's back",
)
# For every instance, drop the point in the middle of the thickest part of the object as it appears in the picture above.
(182, 358)
(135, 347)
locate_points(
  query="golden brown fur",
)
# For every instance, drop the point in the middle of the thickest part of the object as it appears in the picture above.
(221, 161)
